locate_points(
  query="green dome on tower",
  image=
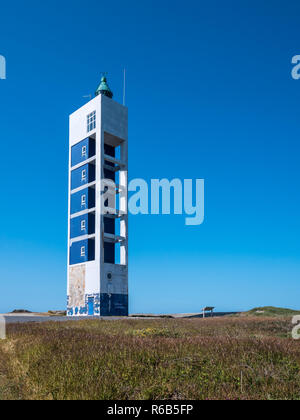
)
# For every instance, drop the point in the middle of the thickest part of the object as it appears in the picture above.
(103, 88)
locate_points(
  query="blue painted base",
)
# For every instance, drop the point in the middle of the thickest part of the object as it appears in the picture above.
(114, 305)
(101, 305)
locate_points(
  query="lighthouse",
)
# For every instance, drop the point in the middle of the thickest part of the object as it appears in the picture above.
(97, 283)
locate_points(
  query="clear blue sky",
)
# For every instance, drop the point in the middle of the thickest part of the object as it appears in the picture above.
(210, 96)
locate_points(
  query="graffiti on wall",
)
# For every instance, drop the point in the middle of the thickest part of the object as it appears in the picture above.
(77, 286)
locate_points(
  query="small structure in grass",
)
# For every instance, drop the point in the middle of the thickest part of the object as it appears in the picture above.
(208, 309)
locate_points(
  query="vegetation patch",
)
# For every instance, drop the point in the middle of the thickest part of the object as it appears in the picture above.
(218, 358)
(270, 311)
(156, 332)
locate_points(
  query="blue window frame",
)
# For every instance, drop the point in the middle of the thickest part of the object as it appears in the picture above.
(82, 251)
(82, 225)
(83, 150)
(83, 175)
(83, 200)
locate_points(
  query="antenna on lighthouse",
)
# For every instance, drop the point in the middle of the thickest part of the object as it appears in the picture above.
(88, 96)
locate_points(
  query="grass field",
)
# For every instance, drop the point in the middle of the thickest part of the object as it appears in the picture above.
(218, 358)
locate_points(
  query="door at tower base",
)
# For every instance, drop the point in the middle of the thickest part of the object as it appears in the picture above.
(104, 304)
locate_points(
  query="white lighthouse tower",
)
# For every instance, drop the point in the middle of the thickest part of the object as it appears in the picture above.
(98, 230)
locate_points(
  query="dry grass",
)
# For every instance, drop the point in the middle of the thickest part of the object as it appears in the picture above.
(225, 358)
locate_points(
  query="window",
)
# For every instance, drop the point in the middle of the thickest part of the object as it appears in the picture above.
(83, 175)
(83, 151)
(82, 224)
(91, 121)
(82, 251)
(83, 200)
